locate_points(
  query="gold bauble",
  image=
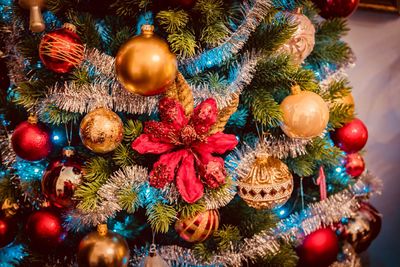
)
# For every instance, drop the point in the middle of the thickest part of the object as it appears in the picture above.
(268, 185)
(145, 65)
(199, 227)
(345, 100)
(305, 114)
(103, 248)
(101, 130)
(301, 43)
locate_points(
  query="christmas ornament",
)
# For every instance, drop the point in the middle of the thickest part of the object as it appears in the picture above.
(153, 259)
(8, 230)
(44, 229)
(101, 130)
(352, 137)
(302, 42)
(4, 79)
(305, 114)
(268, 185)
(199, 227)
(319, 249)
(144, 65)
(61, 178)
(36, 23)
(364, 227)
(31, 140)
(103, 248)
(188, 150)
(354, 164)
(61, 50)
(336, 8)
(347, 100)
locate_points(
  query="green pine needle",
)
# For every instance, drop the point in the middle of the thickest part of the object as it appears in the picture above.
(128, 200)
(160, 216)
(124, 156)
(226, 236)
(173, 20)
(132, 130)
(190, 210)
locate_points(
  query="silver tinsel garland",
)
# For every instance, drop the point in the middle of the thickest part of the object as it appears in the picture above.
(7, 154)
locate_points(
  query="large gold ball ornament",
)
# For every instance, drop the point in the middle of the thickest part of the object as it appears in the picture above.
(101, 130)
(305, 114)
(145, 65)
(301, 43)
(103, 248)
(269, 184)
(199, 227)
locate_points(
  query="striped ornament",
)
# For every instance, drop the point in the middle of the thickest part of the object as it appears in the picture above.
(199, 227)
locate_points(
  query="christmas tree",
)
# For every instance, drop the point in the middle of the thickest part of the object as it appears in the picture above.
(180, 133)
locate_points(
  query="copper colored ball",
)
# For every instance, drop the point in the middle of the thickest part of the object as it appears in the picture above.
(144, 65)
(305, 115)
(101, 130)
(31, 141)
(352, 137)
(355, 164)
(109, 250)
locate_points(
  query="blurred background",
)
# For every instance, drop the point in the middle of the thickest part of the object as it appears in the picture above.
(375, 39)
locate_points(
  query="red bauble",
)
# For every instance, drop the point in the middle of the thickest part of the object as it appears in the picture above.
(352, 137)
(319, 249)
(336, 8)
(355, 164)
(364, 227)
(44, 229)
(8, 230)
(61, 178)
(61, 50)
(31, 140)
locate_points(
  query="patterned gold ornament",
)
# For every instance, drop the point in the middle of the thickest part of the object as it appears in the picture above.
(36, 22)
(269, 184)
(101, 130)
(144, 65)
(103, 248)
(199, 227)
(305, 114)
(302, 42)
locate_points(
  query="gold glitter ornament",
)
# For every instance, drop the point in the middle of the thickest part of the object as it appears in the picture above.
(101, 130)
(144, 65)
(103, 248)
(305, 114)
(268, 185)
(302, 42)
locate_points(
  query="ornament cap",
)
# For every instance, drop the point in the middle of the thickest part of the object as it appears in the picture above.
(33, 119)
(68, 151)
(147, 29)
(295, 89)
(298, 10)
(69, 26)
(102, 229)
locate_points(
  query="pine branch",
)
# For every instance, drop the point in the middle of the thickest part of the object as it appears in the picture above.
(128, 200)
(173, 20)
(86, 28)
(265, 110)
(213, 34)
(226, 236)
(339, 114)
(124, 156)
(28, 93)
(54, 115)
(186, 210)
(132, 130)
(183, 43)
(331, 30)
(160, 216)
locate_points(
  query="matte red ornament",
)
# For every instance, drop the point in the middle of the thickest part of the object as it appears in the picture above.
(44, 229)
(355, 164)
(352, 137)
(364, 227)
(336, 8)
(8, 230)
(319, 249)
(31, 140)
(61, 179)
(61, 50)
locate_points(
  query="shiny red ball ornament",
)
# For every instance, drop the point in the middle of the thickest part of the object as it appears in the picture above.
(61, 50)
(61, 178)
(319, 249)
(336, 8)
(31, 140)
(364, 227)
(352, 137)
(8, 230)
(44, 229)
(355, 164)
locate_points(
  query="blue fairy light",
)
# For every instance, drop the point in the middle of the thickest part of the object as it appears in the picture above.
(28, 170)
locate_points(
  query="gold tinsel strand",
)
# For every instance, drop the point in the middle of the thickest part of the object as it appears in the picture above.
(181, 91)
(225, 113)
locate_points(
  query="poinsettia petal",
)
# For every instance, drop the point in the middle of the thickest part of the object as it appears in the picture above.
(172, 112)
(217, 143)
(212, 170)
(189, 185)
(160, 131)
(145, 144)
(163, 171)
(204, 116)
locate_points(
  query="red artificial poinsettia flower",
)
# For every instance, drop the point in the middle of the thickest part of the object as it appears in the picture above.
(186, 147)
